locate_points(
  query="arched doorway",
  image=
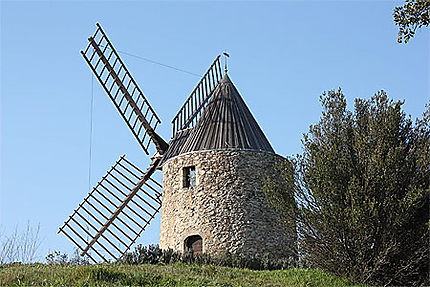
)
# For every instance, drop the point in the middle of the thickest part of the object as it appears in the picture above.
(194, 244)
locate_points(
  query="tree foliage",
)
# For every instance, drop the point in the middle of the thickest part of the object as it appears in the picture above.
(410, 17)
(362, 190)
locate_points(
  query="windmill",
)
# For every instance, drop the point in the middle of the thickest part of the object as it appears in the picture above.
(213, 168)
(124, 202)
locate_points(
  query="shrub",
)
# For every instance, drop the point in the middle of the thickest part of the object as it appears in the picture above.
(20, 246)
(154, 255)
(58, 258)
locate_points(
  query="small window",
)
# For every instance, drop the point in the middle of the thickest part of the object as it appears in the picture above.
(190, 177)
(194, 244)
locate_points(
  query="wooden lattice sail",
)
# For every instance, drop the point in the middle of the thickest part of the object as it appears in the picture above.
(114, 214)
(191, 110)
(120, 207)
(123, 90)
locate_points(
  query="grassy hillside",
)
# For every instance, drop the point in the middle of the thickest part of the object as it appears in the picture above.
(177, 274)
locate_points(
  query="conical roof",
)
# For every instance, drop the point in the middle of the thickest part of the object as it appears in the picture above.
(226, 123)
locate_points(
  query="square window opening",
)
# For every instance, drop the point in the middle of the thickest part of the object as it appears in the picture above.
(189, 177)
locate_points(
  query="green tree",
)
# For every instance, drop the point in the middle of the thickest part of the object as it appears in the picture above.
(410, 17)
(362, 192)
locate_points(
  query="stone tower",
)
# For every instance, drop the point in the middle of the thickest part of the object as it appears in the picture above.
(212, 184)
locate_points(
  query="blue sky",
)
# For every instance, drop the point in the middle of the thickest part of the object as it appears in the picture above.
(283, 56)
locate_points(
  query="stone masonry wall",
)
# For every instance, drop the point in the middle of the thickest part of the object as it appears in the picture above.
(227, 208)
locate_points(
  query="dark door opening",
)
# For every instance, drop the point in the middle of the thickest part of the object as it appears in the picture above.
(194, 244)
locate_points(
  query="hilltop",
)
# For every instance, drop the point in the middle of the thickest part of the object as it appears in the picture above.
(177, 274)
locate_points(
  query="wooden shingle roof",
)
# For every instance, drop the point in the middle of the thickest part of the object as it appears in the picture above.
(226, 123)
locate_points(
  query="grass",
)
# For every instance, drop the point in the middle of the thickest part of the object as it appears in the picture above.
(177, 274)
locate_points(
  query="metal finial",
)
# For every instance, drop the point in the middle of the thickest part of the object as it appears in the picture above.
(226, 55)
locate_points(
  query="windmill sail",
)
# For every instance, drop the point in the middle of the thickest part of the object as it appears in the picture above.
(114, 214)
(193, 107)
(123, 90)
